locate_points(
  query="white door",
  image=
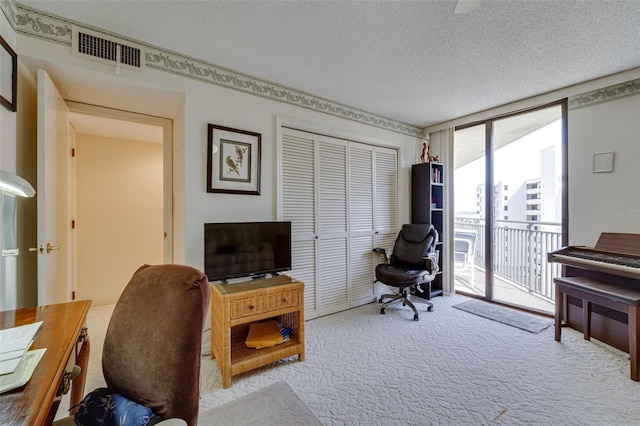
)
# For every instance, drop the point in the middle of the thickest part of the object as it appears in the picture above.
(386, 196)
(332, 222)
(361, 223)
(373, 206)
(53, 198)
(341, 197)
(385, 202)
(298, 194)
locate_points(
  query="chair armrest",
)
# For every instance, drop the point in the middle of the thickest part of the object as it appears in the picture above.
(383, 252)
(432, 258)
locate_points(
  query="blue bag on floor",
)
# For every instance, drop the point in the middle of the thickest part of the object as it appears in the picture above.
(102, 407)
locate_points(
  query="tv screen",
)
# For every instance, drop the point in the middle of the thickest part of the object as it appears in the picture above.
(246, 249)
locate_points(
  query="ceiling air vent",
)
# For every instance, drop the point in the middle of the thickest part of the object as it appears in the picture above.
(107, 49)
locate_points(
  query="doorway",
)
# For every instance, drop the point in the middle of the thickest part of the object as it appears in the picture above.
(510, 206)
(119, 219)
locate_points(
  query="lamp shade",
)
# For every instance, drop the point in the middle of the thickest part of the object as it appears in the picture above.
(12, 184)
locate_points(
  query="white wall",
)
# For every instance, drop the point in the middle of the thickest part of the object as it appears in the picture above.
(26, 166)
(604, 202)
(7, 162)
(203, 103)
(119, 222)
(7, 118)
(206, 103)
(229, 108)
(21, 269)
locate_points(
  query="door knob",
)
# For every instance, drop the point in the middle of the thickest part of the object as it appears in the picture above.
(50, 247)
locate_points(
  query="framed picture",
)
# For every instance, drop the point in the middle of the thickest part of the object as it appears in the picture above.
(233, 161)
(8, 75)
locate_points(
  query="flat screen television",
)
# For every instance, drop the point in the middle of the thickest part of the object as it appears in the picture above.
(246, 249)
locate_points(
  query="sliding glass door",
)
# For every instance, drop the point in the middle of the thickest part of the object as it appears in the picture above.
(469, 176)
(515, 164)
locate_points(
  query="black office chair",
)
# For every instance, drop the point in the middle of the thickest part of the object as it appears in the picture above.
(413, 262)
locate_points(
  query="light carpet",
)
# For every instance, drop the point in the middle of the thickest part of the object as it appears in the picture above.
(505, 315)
(274, 405)
(449, 368)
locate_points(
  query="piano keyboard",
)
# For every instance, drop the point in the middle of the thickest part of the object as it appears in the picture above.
(604, 257)
(629, 265)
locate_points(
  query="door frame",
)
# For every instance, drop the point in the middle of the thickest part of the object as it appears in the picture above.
(168, 203)
(489, 169)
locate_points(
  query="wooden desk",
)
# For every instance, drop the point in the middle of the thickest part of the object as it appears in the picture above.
(63, 333)
(235, 306)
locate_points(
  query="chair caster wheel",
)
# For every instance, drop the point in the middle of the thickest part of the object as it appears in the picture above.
(430, 309)
(382, 311)
(404, 304)
(415, 317)
(380, 300)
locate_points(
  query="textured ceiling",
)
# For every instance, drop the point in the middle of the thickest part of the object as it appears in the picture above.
(413, 62)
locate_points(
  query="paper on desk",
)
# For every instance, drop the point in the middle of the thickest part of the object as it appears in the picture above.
(17, 338)
(4, 356)
(14, 343)
(9, 360)
(23, 372)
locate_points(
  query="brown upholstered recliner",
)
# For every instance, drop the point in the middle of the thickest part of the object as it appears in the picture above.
(152, 348)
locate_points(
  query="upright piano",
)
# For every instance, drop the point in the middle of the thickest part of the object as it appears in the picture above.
(603, 300)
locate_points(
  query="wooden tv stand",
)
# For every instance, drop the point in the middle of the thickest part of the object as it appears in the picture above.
(235, 306)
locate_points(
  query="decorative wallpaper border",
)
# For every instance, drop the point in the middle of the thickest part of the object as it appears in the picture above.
(607, 94)
(51, 28)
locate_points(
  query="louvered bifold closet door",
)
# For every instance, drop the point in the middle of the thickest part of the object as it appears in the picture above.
(341, 197)
(361, 232)
(385, 201)
(298, 192)
(332, 226)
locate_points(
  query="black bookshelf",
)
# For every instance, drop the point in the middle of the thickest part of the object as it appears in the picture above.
(427, 206)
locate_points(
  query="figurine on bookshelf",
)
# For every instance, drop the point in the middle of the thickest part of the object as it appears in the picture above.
(426, 153)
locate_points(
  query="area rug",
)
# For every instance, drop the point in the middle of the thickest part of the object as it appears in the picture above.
(521, 320)
(276, 404)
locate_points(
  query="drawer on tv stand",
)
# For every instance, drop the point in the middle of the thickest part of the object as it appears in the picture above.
(264, 303)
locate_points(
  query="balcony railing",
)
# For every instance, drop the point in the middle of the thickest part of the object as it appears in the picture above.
(519, 252)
